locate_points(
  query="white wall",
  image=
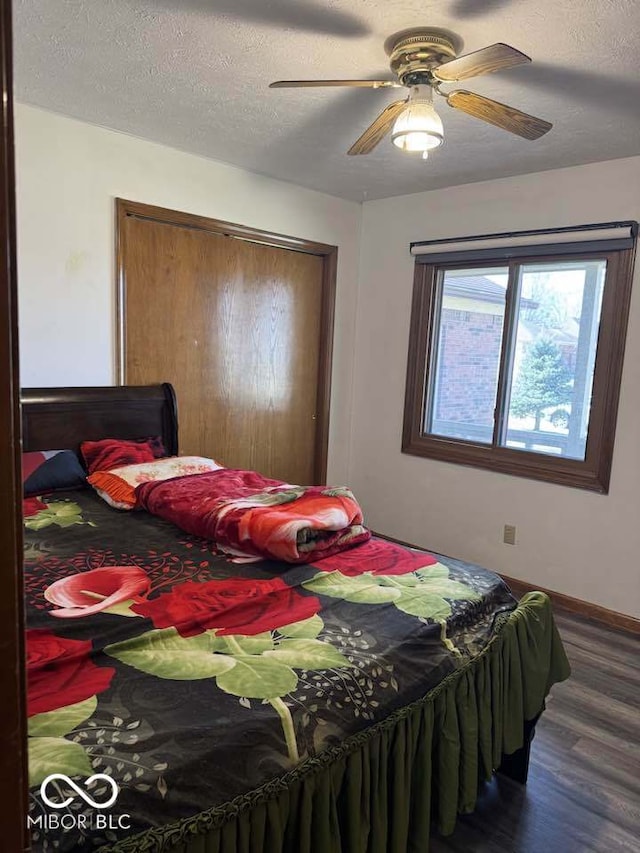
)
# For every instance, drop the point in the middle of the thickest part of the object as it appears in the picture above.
(572, 541)
(68, 174)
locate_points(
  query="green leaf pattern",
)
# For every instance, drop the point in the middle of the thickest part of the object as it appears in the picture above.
(308, 654)
(63, 720)
(49, 751)
(60, 513)
(251, 667)
(425, 593)
(258, 677)
(165, 654)
(306, 628)
(361, 589)
(56, 754)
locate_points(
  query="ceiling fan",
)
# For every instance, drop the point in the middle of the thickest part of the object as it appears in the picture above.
(422, 60)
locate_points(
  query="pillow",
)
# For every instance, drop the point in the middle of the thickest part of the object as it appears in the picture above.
(111, 453)
(49, 470)
(118, 486)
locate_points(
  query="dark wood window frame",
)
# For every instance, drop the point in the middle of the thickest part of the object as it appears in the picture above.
(595, 470)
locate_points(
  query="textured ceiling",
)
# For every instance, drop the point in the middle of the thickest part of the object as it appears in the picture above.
(193, 74)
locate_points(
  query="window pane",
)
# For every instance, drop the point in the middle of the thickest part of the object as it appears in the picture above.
(552, 357)
(464, 377)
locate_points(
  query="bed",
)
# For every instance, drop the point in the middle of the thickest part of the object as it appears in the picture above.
(362, 705)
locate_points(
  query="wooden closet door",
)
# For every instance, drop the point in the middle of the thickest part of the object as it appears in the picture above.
(235, 326)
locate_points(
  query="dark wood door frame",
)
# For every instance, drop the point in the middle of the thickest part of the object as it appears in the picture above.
(329, 254)
(13, 775)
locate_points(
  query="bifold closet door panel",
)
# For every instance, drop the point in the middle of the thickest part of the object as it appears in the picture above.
(236, 327)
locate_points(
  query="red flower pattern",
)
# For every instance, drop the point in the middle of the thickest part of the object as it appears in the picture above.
(91, 592)
(234, 606)
(377, 556)
(60, 673)
(32, 506)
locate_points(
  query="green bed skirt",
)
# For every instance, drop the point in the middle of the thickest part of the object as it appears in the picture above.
(381, 789)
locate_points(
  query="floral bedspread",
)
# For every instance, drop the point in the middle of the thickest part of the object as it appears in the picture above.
(183, 679)
(248, 514)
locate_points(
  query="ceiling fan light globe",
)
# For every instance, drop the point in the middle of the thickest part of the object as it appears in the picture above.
(418, 128)
(416, 142)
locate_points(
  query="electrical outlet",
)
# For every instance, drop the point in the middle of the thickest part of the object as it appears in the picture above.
(509, 537)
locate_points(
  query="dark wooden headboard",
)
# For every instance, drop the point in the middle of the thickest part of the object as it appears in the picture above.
(61, 418)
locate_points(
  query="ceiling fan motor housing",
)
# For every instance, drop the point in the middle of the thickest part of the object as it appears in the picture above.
(414, 55)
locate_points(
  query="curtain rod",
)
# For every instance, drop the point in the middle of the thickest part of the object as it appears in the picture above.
(628, 229)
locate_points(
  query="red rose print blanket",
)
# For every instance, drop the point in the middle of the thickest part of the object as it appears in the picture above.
(247, 514)
(192, 682)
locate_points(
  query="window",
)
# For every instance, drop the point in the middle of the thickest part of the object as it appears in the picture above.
(515, 354)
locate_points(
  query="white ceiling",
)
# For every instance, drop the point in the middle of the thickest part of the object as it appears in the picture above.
(193, 74)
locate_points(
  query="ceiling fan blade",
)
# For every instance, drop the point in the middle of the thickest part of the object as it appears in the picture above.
(492, 58)
(363, 84)
(376, 131)
(507, 118)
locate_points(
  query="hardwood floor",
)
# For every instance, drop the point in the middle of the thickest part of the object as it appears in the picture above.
(583, 792)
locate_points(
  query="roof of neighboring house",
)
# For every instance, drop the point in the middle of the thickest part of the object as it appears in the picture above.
(479, 287)
(475, 287)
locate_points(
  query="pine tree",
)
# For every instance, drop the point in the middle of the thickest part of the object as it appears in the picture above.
(543, 380)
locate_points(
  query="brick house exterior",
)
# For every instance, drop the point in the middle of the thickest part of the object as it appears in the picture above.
(469, 355)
